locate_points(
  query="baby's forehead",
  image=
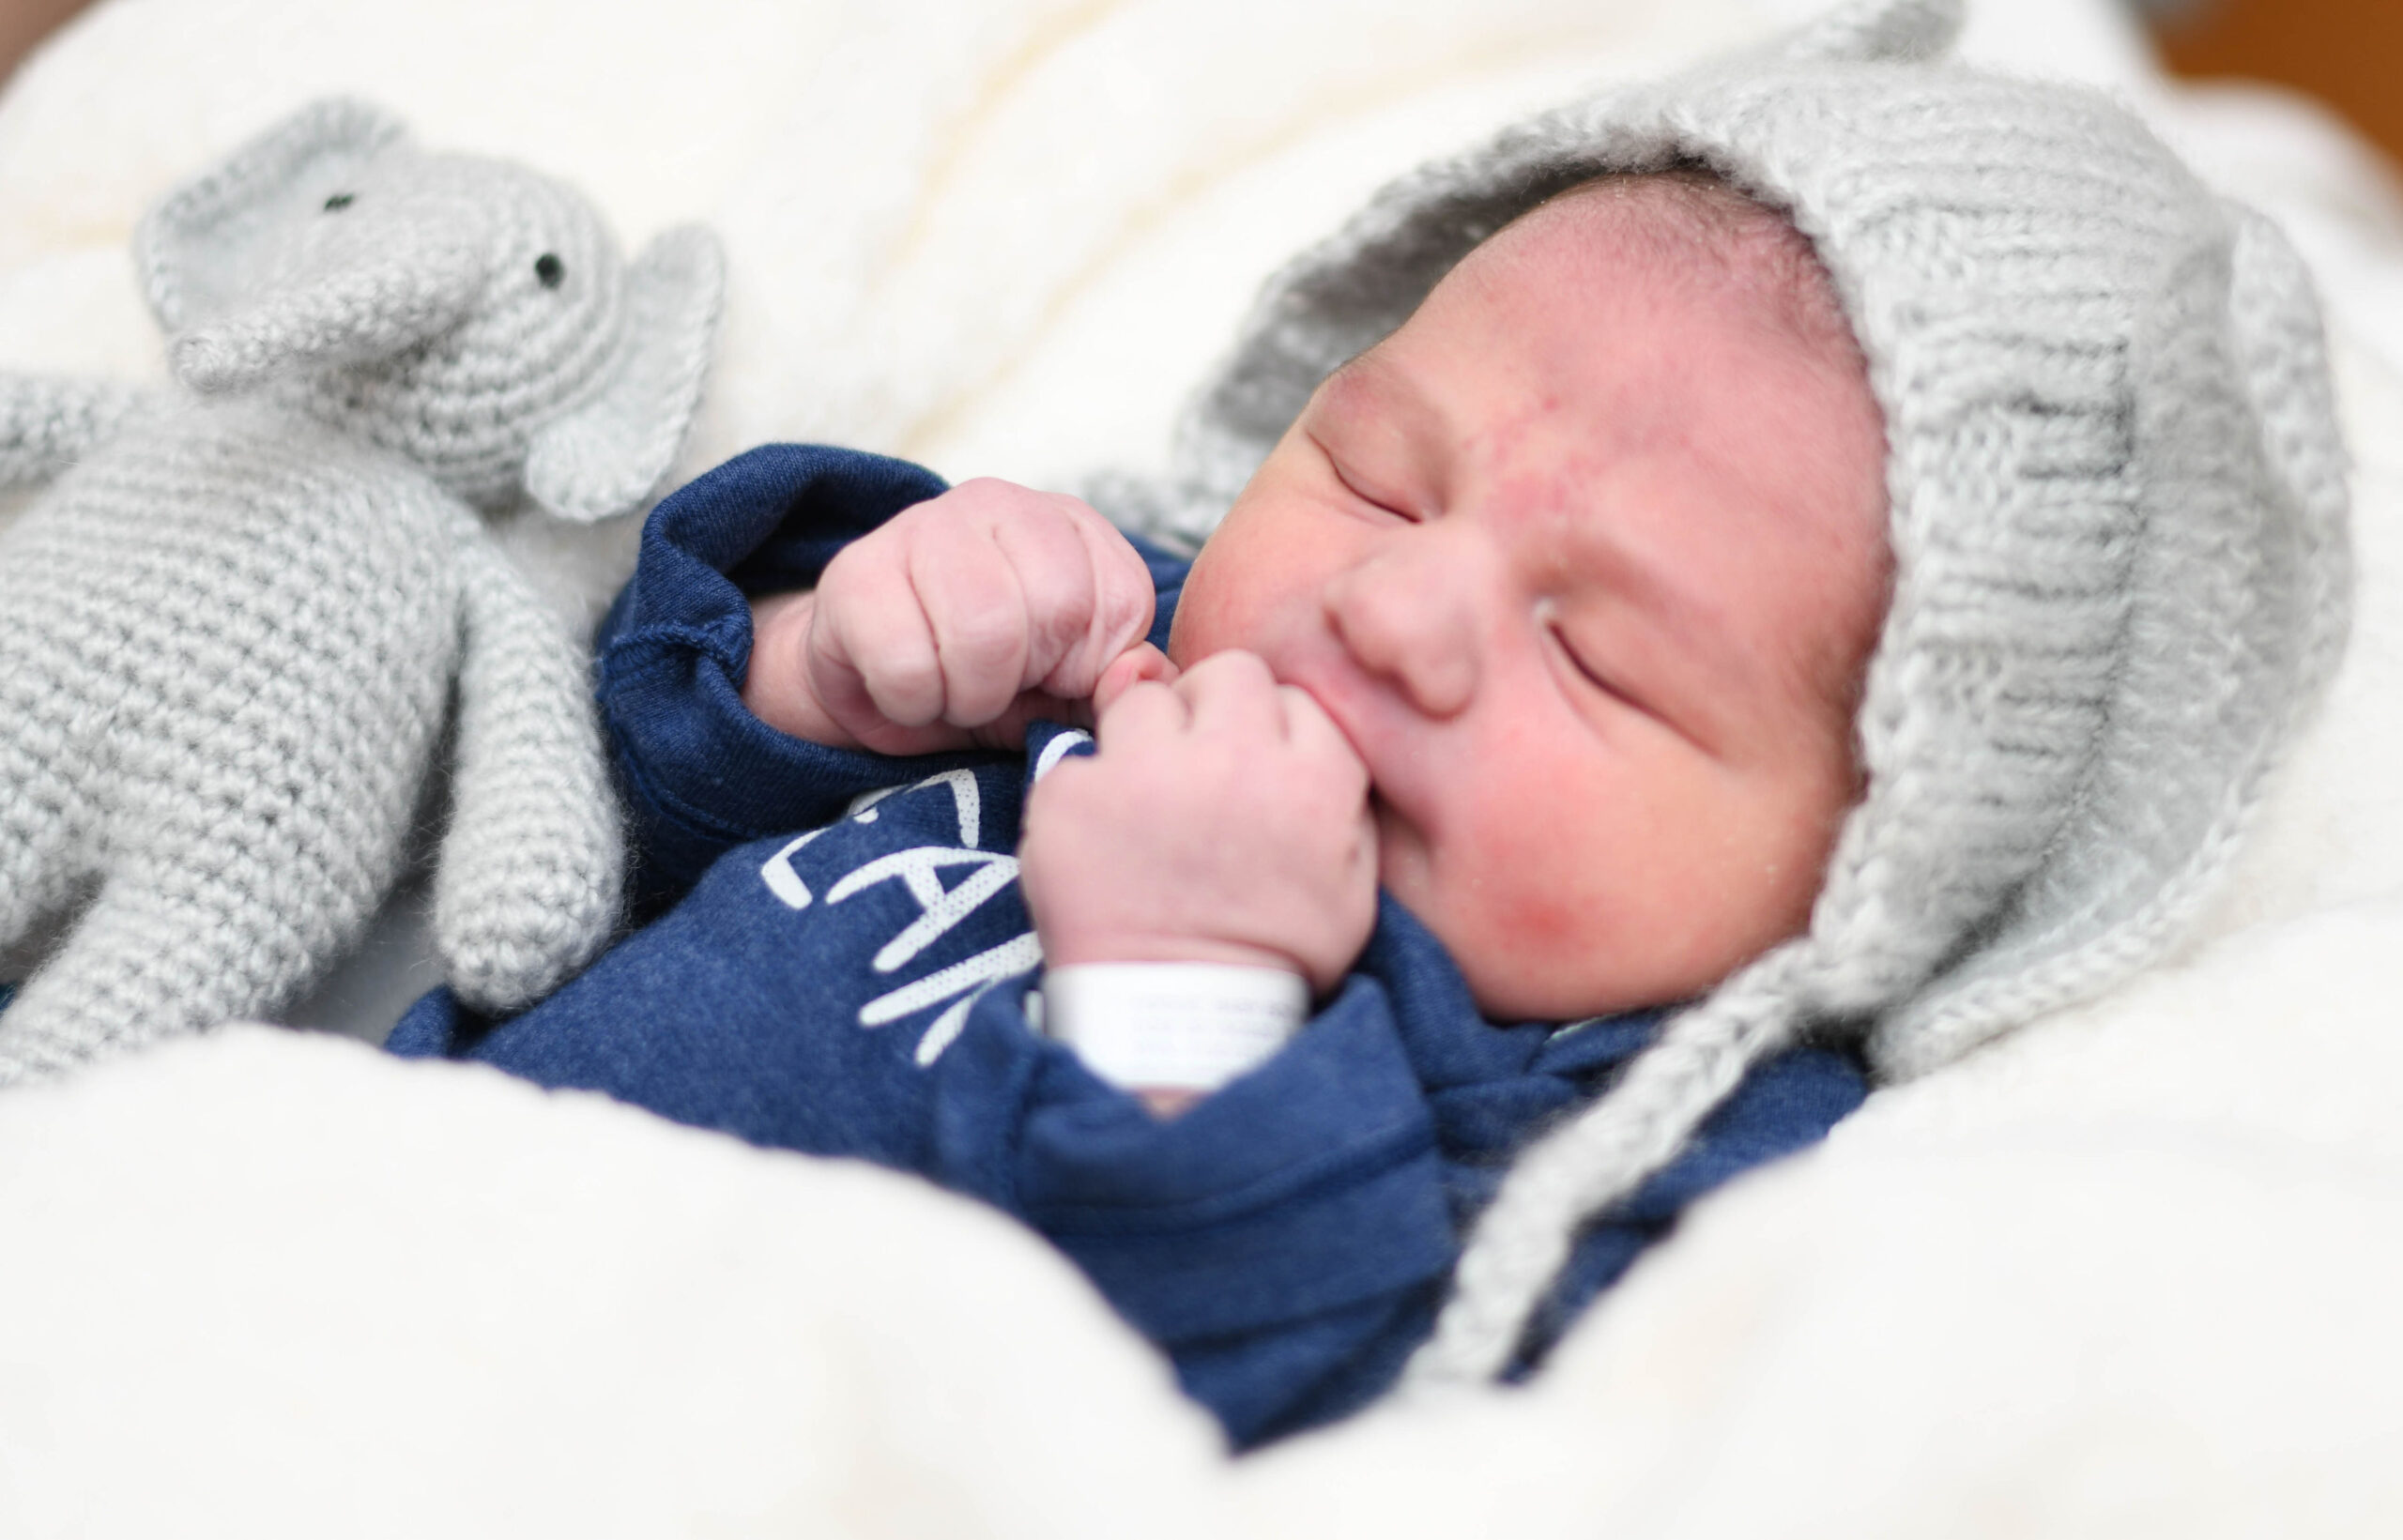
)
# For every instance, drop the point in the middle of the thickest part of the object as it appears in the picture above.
(1685, 227)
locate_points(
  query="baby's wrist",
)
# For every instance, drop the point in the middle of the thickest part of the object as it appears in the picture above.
(1182, 1028)
(1066, 948)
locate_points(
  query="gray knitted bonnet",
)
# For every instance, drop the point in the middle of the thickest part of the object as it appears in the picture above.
(2118, 515)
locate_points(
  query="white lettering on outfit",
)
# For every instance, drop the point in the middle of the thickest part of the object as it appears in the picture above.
(1018, 955)
(782, 881)
(940, 910)
(777, 870)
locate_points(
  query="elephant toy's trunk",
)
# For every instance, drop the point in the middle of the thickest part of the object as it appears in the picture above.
(351, 314)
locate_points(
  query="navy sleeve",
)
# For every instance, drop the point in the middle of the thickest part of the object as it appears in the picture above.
(700, 773)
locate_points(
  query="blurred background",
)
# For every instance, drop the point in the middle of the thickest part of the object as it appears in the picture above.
(2347, 53)
(25, 23)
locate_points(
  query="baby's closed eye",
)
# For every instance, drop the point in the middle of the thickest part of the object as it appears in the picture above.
(1367, 481)
(1587, 660)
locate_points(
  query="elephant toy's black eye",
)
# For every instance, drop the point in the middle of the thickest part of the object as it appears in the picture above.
(550, 269)
(339, 202)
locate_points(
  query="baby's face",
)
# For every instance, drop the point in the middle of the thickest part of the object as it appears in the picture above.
(1586, 560)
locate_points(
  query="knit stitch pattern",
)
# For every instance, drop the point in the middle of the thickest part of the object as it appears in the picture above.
(233, 630)
(2118, 518)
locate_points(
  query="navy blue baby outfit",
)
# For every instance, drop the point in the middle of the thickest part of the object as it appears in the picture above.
(842, 965)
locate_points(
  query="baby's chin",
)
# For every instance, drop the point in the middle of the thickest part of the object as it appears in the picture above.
(1521, 990)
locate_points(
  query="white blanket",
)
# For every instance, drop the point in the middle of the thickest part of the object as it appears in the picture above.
(2130, 1273)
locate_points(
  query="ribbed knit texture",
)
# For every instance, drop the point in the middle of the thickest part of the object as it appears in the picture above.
(2118, 519)
(230, 635)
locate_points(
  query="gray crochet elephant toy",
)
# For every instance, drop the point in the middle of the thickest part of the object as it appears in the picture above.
(234, 630)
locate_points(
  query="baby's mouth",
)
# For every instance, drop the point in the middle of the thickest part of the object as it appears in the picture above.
(1326, 700)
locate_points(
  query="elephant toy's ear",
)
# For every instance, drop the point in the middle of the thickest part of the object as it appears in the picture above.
(609, 455)
(197, 247)
(1900, 31)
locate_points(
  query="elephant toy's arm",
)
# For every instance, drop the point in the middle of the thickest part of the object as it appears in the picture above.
(48, 423)
(532, 865)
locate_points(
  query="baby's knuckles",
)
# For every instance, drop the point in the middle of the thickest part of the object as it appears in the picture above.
(1069, 593)
(954, 623)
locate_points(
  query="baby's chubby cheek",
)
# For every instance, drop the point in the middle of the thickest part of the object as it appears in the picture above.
(1527, 927)
(1224, 604)
(1557, 907)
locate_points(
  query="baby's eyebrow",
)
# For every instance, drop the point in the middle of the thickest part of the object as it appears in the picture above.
(1384, 434)
(1368, 360)
(1367, 383)
(1345, 394)
(1380, 414)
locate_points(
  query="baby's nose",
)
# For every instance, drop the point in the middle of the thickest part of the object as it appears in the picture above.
(1408, 615)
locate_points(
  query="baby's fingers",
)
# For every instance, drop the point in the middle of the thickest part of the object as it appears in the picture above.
(1087, 594)
(872, 652)
(1145, 712)
(1316, 739)
(1234, 693)
(1142, 663)
(978, 615)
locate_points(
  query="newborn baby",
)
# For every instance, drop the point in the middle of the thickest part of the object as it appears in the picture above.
(1822, 611)
(1548, 615)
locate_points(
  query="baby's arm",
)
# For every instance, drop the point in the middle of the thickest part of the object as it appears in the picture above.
(953, 625)
(1224, 820)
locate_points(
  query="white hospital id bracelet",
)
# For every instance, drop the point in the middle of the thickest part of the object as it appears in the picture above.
(1172, 1025)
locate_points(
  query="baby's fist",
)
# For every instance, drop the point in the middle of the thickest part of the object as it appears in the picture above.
(1224, 819)
(954, 624)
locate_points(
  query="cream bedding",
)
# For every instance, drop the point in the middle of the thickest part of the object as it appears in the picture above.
(2130, 1273)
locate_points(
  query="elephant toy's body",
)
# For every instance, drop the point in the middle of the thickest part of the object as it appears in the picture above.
(234, 629)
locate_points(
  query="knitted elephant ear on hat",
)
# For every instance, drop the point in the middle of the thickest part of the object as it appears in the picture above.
(2230, 604)
(1896, 31)
(2117, 510)
(234, 631)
